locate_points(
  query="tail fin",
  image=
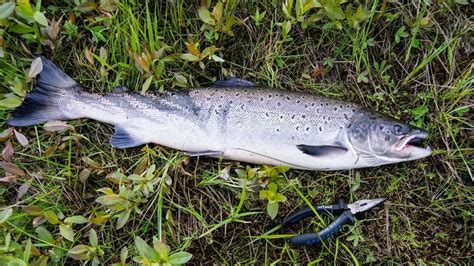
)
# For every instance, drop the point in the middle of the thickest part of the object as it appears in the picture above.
(42, 104)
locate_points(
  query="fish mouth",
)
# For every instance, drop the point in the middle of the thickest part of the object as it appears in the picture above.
(412, 146)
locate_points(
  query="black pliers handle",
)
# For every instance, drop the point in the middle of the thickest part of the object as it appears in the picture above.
(346, 216)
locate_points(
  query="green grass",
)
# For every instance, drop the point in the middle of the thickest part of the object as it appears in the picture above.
(421, 73)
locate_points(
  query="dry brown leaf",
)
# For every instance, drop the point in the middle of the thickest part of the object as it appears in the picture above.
(36, 67)
(21, 138)
(56, 125)
(33, 210)
(23, 189)
(8, 151)
(39, 220)
(12, 169)
(84, 175)
(6, 134)
(8, 179)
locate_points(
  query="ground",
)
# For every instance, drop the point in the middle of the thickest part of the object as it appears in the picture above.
(68, 196)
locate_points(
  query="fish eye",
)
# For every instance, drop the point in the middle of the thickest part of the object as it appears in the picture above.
(397, 129)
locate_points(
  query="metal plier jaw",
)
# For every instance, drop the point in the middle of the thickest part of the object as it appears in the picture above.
(346, 211)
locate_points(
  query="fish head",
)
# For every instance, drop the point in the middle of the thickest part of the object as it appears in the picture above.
(383, 140)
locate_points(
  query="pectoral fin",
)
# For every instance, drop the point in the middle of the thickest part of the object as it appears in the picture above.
(233, 82)
(123, 139)
(324, 150)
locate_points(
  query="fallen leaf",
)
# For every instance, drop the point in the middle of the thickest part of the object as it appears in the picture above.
(56, 125)
(8, 151)
(36, 67)
(8, 179)
(6, 134)
(89, 56)
(12, 169)
(39, 220)
(23, 190)
(84, 175)
(33, 210)
(21, 138)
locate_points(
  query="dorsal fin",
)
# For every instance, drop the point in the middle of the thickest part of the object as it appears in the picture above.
(233, 82)
(120, 89)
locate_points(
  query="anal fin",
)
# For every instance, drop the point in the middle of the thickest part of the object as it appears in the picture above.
(123, 139)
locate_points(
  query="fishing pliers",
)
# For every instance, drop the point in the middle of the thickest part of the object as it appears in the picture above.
(347, 212)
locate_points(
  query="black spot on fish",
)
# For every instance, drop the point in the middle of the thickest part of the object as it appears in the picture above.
(281, 116)
(340, 106)
(322, 104)
(242, 106)
(320, 129)
(327, 104)
(208, 98)
(237, 94)
(261, 99)
(297, 128)
(278, 130)
(220, 105)
(329, 118)
(335, 108)
(288, 98)
(307, 129)
(231, 102)
(173, 93)
(298, 101)
(312, 104)
(270, 96)
(345, 116)
(305, 106)
(293, 117)
(279, 103)
(246, 90)
(349, 126)
(303, 116)
(267, 114)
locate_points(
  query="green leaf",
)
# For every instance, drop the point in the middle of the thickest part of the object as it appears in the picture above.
(147, 84)
(161, 248)
(334, 11)
(6, 10)
(51, 217)
(145, 250)
(44, 235)
(205, 16)
(5, 214)
(78, 219)
(181, 257)
(272, 209)
(79, 252)
(93, 238)
(24, 10)
(122, 219)
(10, 103)
(189, 57)
(66, 232)
(40, 18)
